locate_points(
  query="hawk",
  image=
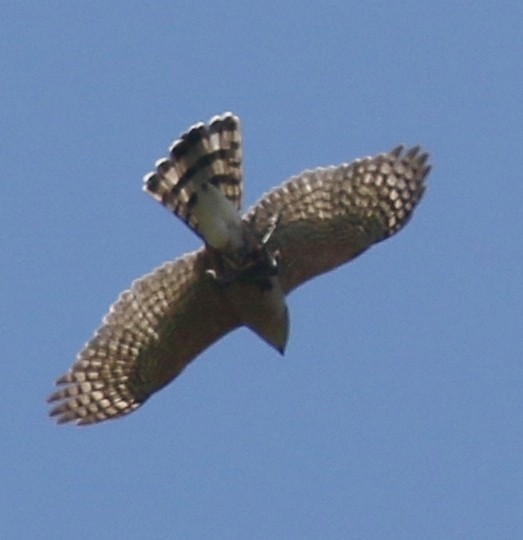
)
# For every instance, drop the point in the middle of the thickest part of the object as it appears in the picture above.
(309, 225)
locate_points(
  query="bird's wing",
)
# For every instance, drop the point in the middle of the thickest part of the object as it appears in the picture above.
(205, 154)
(328, 216)
(152, 332)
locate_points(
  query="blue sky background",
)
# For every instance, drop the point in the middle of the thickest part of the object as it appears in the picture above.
(397, 411)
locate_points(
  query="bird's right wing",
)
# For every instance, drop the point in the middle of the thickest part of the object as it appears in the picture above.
(326, 217)
(152, 332)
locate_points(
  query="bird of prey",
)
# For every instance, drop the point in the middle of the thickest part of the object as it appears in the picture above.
(309, 225)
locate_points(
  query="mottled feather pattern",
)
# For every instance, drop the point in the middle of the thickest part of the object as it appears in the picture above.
(311, 224)
(205, 153)
(335, 213)
(134, 352)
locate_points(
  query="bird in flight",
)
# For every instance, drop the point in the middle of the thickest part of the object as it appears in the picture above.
(310, 224)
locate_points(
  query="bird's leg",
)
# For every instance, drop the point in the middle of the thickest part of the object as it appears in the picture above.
(254, 263)
(225, 277)
(212, 273)
(263, 267)
(223, 270)
(273, 223)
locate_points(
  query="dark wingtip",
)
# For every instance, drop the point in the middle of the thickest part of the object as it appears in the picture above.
(151, 182)
(397, 150)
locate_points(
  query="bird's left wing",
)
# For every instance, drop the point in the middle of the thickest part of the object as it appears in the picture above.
(326, 217)
(151, 333)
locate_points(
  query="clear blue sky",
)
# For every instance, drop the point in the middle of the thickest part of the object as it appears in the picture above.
(397, 411)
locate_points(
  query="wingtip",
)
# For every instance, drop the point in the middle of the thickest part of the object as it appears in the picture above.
(396, 151)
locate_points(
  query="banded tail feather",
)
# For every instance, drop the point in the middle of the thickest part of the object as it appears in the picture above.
(309, 225)
(205, 159)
